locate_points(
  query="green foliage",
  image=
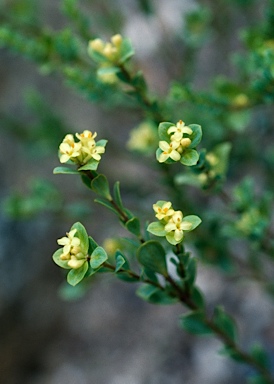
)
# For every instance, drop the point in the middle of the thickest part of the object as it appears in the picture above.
(189, 157)
(133, 226)
(153, 256)
(75, 276)
(235, 114)
(225, 322)
(100, 186)
(98, 257)
(155, 295)
(195, 323)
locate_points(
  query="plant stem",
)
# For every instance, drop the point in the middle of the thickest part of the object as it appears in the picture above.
(185, 298)
(135, 275)
(145, 101)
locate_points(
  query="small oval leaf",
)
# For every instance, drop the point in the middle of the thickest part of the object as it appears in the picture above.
(153, 256)
(189, 157)
(98, 257)
(76, 275)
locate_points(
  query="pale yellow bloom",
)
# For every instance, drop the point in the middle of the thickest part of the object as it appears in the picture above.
(75, 263)
(240, 101)
(97, 45)
(96, 152)
(176, 227)
(80, 152)
(179, 130)
(164, 211)
(111, 50)
(69, 139)
(86, 136)
(212, 159)
(72, 250)
(69, 150)
(170, 150)
(117, 40)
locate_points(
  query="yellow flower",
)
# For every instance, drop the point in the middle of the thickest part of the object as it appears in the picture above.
(170, 150)
(86, 137)
(82, 151)
(178, 135)
(69, 150)
(72, 250)
(176, 226)
(179, 130)
(163, 211)
(111, 50)
(97, 45)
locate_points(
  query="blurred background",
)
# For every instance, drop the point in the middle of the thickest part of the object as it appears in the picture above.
(108, 335)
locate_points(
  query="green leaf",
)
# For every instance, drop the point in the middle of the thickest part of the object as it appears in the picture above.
(82, 235)
(196, 135)
(91, 165)
(189, 157)
(162, 131)
(101, 143)
(117, 195)
(155, 295)
(152, 255)
(149, 274)
(194, 220)
(126, 263)
(188, 179)
(191, 271)
(100, 186)
(230, 352)
(139, 81)
(92, 245)
(197, 297)
(127, 51)
(106, 204)
(225, 322)
(65, 171)
(98, 257)
(133, 226)
(157, 228)
(259, 354)
(194, 322)
(61, 263)
(120, 261)
(76, 275)
(86, 180)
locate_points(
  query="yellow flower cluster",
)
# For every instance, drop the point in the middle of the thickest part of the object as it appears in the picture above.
(173, 223)
(72, 250)
(178, 143)
(111, 50)
(82, 151)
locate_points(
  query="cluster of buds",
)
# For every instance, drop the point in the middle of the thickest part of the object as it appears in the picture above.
(82, 151)
(177, 144)
(111, 51)
(172, 224)
(72, 252)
